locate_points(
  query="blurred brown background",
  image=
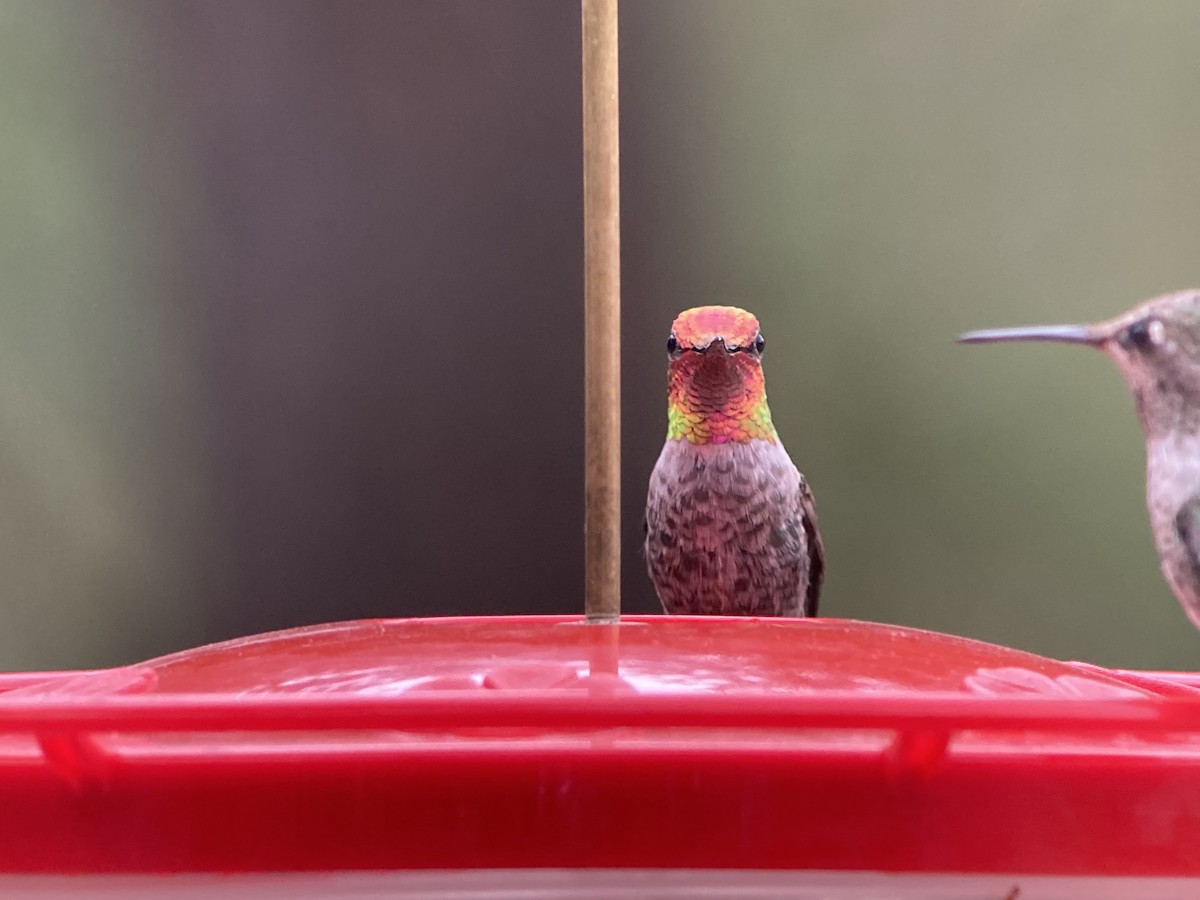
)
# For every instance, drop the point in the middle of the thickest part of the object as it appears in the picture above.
(290, 303)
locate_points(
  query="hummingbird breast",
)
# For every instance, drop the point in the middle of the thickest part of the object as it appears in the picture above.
(724, 534)
(1172, 488)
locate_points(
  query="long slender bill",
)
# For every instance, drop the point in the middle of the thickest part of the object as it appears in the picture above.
(1063, 334)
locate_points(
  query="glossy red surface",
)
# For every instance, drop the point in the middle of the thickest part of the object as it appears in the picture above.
(544, 742)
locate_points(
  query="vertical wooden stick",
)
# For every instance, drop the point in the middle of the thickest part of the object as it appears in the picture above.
(602, 313)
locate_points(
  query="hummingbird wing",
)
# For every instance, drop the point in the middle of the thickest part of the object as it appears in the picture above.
(816, 548)
(1187, 529)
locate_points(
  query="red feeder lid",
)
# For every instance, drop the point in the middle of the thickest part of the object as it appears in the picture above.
(684, 743)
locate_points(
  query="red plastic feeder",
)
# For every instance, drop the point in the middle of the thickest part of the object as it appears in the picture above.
(804, 747)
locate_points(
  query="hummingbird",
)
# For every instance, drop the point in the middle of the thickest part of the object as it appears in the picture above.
(730, 525)
(1156, 346)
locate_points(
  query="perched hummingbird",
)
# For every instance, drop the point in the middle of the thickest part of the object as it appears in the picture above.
(730, 524)
(1157, 348)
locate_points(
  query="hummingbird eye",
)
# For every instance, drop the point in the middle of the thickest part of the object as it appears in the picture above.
(672, 344)
(760, 343)
(1145, 334)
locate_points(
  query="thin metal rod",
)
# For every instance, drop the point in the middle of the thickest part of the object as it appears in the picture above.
(602, 313)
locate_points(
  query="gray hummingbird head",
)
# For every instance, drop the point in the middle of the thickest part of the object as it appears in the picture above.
(1156, 345)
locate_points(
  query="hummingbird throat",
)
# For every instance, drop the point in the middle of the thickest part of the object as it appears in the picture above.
(717, 402)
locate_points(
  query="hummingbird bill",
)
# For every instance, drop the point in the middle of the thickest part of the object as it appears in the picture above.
(730, 525)
(1156, 347)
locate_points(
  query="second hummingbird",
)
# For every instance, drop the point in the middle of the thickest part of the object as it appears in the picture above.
(730, 523)
(1157, 348)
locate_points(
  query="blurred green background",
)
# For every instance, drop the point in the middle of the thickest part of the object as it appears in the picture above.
(290, 303)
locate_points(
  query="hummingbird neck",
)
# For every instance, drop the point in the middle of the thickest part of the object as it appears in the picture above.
(717, 400)
(1163, 409)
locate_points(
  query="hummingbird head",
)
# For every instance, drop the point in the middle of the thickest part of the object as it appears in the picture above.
(716, 392)
(1156, 345)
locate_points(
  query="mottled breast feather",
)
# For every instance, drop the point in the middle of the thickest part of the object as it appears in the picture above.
(731, 530)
